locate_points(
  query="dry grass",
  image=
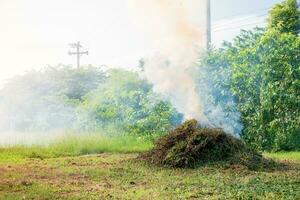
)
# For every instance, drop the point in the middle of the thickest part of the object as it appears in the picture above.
(190, 145)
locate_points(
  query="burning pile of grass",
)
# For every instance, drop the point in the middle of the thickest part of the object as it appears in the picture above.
(190, 145)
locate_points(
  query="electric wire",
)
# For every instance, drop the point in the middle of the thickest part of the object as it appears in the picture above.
(236, 23)
(240, 26)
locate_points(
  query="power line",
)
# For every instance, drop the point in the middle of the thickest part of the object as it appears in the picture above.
(238, 21)
(237, 27)
(249, 13)
(228, 25)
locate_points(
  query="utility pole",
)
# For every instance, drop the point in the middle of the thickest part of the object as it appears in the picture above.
(78, 53)
(207, 23)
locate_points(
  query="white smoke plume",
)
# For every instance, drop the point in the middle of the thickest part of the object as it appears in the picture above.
(177, 28)
(174, 25)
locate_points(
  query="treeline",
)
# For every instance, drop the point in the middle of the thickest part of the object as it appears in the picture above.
(263, 70)
(86, 99)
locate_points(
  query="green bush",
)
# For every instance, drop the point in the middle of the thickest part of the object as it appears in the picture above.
(85, 99)
(127, 104)
(265, 79)
(42, 100)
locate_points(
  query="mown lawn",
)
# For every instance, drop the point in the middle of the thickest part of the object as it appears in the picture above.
(122, 176)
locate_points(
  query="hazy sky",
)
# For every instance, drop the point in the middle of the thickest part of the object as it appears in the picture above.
(35, 33)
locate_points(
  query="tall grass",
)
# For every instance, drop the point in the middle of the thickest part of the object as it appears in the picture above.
(293, 155)
(76, 144)
(92, 143)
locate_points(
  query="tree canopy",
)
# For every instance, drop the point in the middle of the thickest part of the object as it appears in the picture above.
(264, 79)
(284, 17)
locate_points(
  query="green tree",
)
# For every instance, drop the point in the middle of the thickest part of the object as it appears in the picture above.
(46, 99)
(279, 113)
(284, 17)
(78, 82)
(265, 79)
(126, 104)
(212, 78)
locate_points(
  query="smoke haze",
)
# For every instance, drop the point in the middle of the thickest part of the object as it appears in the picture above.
(172, 25)
(176, 27)
(46, 101)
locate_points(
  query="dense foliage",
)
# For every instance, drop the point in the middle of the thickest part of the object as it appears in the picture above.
(45, 99)
(127, 104)
(212, 81)
(265, 79)
(285, 17)
(84, 99)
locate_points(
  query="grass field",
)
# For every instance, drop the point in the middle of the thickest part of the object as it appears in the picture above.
(73, 145)
(98, 168)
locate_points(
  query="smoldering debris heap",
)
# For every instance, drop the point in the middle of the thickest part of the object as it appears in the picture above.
(189, 145)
